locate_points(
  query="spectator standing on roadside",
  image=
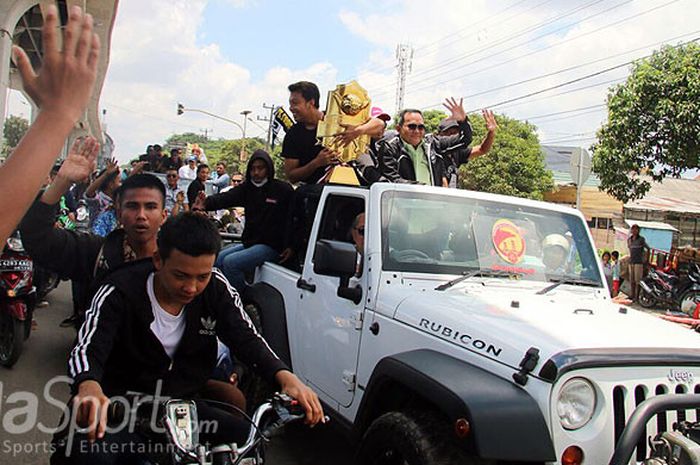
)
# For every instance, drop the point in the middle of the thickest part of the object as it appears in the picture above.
(175, 161)
(615, 258)
(222, 179)
(638, 247)
(460, 156)
(175, 198)
(198, 185)
(188, 171)
(101, 192)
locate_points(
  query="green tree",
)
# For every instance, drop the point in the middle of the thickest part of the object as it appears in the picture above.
(432, 118)
(14, 129)
(514, 166)
(653, 123)
(186, 137)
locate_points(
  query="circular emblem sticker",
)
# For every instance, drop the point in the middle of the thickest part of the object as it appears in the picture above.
(508, 241)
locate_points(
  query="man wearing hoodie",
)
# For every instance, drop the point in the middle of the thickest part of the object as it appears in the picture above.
(266, 203)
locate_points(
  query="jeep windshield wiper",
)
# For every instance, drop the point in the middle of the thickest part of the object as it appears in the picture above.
(478, 272)
(465, 275)
(564, 280)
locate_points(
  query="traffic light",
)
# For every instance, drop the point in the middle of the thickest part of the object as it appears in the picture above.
(180, 108)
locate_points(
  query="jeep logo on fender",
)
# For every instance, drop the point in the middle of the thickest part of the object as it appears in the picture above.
(445, 332)
(680, 376)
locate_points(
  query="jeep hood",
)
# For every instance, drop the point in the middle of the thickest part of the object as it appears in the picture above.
(504, 323)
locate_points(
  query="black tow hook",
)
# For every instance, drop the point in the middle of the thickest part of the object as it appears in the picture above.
(527, 364)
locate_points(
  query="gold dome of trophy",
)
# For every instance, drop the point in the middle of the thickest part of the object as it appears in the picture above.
(348, 104)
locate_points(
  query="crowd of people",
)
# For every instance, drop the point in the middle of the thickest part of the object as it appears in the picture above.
(144, 259)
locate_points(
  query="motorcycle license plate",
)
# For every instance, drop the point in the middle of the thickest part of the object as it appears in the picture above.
(11, 264)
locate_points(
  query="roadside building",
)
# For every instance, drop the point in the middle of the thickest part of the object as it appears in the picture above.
(602, 211)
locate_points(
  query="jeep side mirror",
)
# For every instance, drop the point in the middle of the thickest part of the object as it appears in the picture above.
(335, 258)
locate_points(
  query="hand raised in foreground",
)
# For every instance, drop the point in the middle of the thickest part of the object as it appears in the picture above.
(64, 83)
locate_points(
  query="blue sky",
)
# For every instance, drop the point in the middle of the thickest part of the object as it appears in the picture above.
(294, 34)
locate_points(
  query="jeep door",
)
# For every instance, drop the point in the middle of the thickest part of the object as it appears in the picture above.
(329, 327)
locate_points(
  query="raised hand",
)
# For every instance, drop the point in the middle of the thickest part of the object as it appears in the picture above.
(491, 124)
(81, 160)
(64, 83)
(456, 109)
(112, 165)
(200, 203)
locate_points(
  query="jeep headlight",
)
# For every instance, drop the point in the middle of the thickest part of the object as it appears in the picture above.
(576, 403)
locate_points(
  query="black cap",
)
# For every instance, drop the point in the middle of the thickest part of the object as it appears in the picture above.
(446, 124)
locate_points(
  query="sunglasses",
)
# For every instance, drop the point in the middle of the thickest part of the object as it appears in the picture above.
(236, 181)
(171, 176)
(416, 127)
(360, 231)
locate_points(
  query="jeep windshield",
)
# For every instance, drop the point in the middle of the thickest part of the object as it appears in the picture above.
(439, 234)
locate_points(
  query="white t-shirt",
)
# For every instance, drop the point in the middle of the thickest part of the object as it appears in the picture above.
(167, 328)
(185, 172)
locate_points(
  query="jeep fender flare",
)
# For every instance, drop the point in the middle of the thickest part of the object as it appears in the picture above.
(273, 318)
(506, 422)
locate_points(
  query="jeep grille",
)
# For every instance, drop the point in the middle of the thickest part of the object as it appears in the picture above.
(625, 398)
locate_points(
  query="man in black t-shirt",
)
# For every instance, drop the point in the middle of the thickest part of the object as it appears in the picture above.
(305, 159)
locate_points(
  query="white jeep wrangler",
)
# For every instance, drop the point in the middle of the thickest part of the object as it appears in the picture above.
(474, 328)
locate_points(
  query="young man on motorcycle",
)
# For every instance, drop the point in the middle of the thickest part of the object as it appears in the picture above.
(153, 327)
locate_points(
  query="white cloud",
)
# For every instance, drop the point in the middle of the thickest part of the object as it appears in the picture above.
(154, 68)
(157, 61)
(458, 46)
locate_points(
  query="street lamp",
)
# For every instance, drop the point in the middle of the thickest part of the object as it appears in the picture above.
(181, 109)
(245, 114)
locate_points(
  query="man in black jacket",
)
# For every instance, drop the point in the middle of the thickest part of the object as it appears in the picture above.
(85, 257)
(152, 327)
(413, 156)
(266, 201)
(197, 185)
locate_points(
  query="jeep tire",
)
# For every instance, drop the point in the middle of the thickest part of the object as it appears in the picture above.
(412, 438)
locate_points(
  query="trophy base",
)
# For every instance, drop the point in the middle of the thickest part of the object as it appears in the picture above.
(342, 175)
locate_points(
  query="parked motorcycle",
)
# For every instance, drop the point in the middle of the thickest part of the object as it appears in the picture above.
(682, 293)
(17, 300)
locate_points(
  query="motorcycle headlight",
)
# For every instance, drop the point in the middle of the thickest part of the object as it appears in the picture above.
(576, 403)
(15, 244)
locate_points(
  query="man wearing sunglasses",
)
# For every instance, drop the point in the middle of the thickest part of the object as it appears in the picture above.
(414, 157)
(175, 198)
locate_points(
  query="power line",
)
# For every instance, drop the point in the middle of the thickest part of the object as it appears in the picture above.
(572, 81)
(470, 26)
(546, 48)
(601, 105)
(522, 32)
(507, 39)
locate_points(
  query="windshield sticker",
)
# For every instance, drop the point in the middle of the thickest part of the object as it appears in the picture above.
(508, 241)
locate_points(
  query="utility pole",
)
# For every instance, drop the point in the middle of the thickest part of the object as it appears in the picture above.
(404, 56)
(245, 114)
(206, 133)
(269, 121)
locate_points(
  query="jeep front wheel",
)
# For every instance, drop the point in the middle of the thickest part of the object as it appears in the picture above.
(412, 438)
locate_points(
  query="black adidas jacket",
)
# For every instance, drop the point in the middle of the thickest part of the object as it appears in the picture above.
(117, 348)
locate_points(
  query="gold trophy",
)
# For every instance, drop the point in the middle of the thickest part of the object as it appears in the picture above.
(347, 104)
